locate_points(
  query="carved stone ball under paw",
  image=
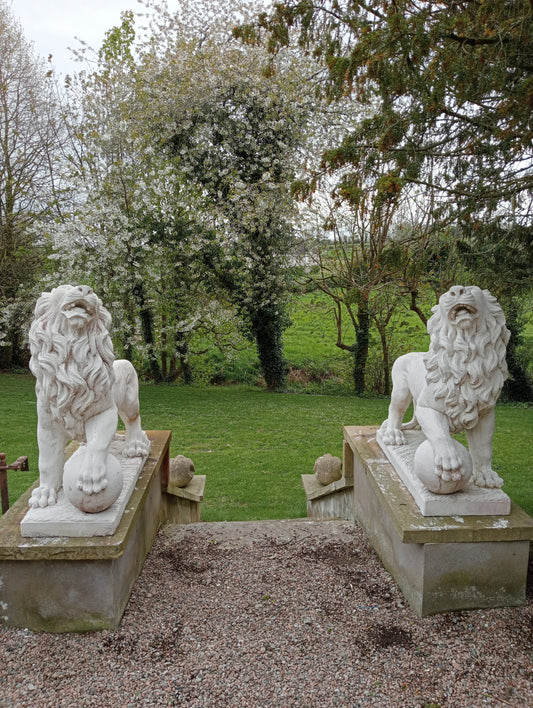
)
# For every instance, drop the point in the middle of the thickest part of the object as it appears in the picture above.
(424, 466)
(97, 501)
(328, 469)
(181, 470)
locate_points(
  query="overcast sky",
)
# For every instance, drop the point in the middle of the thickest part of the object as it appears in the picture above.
(53, 25)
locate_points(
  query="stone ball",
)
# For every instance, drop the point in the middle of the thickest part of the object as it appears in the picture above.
(181, 470)
(91, 503)
(328, 469)
(424, 467)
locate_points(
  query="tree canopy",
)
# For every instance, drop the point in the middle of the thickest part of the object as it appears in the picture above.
(450, 84)
(443, 96)
(182, 162)
(30, 142)
(403, 126)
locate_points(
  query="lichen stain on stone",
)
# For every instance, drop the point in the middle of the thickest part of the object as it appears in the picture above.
(500, 524)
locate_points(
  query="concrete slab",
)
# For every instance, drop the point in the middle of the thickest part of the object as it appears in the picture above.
(184, 504)
(329, 501)
(194, 491)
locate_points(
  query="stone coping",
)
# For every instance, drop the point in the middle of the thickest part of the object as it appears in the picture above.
(408, 520)
(314, 490)
(13, 546)
(194, 491)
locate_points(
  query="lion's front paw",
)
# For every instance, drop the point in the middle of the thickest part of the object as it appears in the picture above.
(43, 496)
(92, 486)
(392, 436)
(448, 465)
(136, 448)
(488, 478)
(92, 479)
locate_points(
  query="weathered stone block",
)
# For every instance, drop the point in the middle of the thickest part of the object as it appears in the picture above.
(441, 563)
(184, 504)
(331, 501)
(60, 584)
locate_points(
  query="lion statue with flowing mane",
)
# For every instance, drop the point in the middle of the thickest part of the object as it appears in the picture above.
(455, 385)
(80, 390)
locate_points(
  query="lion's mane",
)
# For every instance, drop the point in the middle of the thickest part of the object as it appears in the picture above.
(73, 370)
(467, 372)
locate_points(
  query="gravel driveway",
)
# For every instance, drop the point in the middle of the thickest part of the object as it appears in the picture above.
(273, 614)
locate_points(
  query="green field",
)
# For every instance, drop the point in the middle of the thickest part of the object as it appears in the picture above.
(313, 361)
(253, 446)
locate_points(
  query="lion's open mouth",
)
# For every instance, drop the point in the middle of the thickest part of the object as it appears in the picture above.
(77, 309)
(461, 311)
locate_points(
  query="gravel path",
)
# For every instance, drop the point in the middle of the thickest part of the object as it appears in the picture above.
(273, 614)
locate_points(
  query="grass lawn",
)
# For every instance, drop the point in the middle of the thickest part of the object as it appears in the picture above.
(315, 364)
(252, 445)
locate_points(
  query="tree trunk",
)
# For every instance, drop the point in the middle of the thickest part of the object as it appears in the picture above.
(147, 326)
(385, 365)
(182, 350)
(164, 343)
(360, 348)
(415, 308)
(267, 329)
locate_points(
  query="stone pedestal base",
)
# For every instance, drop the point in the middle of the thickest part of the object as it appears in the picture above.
(335, 500)
(441, 563)
(330, 501)
(63, 519)
(471, 501)
(59, 584)
(184, 504)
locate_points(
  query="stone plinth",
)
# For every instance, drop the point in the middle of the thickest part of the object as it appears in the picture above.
(470, 501)
(335, 500)
(64, 519)
(328, 501)
(441, 563)
(184, 503)
(61, 584)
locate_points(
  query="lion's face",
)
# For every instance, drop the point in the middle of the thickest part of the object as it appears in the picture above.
(465, 364)
(74, 307)
(463, 307)
(72, 356)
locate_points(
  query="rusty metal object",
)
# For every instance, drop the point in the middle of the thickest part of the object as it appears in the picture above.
(21, 463)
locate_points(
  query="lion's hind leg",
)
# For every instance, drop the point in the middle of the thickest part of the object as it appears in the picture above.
(401, 397)
(137, 443)
(126, 395)
(43, 496)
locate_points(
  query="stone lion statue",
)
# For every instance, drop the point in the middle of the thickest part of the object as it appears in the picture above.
(80, 390)
(455, 385)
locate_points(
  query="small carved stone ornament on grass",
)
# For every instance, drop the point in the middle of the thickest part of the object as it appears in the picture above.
(181, 470)
(328, 469)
